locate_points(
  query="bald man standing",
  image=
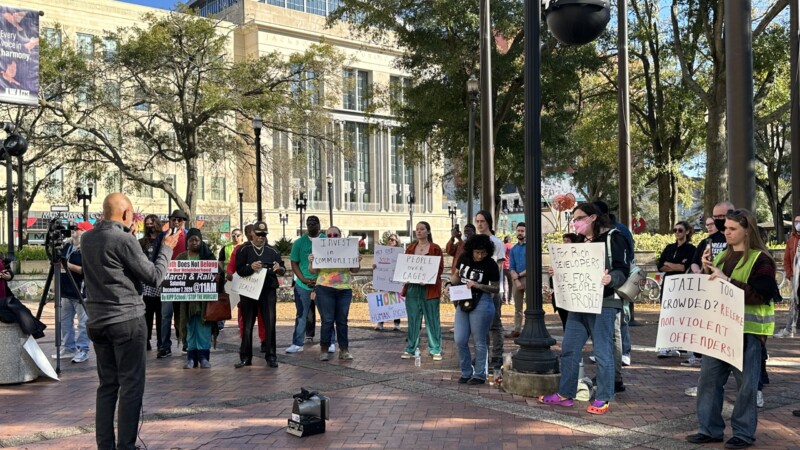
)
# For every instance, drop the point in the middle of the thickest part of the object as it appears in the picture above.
(114, 269)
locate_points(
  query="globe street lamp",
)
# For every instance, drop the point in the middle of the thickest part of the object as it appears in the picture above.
(411, 201)
(329, 179)
(241, 207)
(300, 203)
(284, 217)
(257, 130)
(85, 197)
(451, 209)
(473, 89)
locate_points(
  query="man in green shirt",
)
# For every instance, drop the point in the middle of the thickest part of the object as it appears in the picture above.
(304, 281)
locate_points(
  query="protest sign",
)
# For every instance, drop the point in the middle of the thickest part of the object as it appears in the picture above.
(460, 292)
(385, 263)
(386, 306)
(335, 253)
(417, 269)
(190, 281)
(703, 316)
(577, 269)
(251, 286)
(19, 56)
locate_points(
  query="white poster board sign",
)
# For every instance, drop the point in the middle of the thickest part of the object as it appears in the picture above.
(385, 263)
(335, 253)
(386, 306)
(703, 316)
(251, 286)
(417, 269)
(577, 269)
(460, 292)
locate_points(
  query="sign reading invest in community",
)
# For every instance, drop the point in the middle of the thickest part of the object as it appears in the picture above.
(385, 263)
(335, 253)
(386, 306)
(190, 281)
(19, 56)
(703, 316)
(417, 269)
(577, 269)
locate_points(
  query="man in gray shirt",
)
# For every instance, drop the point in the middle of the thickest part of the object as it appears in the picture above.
(114, 267)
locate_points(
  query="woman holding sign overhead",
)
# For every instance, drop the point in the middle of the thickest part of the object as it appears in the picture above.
(423, 299)
(595, 227)
(746, 263)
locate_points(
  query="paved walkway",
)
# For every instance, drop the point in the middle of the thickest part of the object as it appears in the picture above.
(381, 401)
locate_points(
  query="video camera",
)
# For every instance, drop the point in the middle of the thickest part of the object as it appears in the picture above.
(58, 230)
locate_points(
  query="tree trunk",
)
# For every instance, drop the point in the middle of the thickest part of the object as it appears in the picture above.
(666, 198)
(716, 181)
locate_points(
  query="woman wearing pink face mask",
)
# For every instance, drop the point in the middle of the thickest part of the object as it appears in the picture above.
(595, 227)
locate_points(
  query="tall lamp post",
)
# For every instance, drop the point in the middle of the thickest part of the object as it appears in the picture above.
(329, 179)
(284, 216)
(241, 207)
(85, 197)
(257, 130)
(411, 201)
(451, 210)
(473, 89)
(300, 203)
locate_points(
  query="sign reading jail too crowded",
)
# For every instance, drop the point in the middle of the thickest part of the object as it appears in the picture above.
(703, 316)
(417, 269)
(335, 253)
(190, 281)
(577, 270)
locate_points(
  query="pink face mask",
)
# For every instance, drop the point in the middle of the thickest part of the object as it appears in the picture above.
(582, 226)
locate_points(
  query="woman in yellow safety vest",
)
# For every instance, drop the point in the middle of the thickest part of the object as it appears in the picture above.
(748, 265)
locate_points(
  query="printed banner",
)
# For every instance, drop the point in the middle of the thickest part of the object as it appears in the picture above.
(417, 269)
(250, 286)
(386, 306)
(703, 316)
(577, 269)
(335, 253)
(385, 263)
(19, 56)
(190, 281)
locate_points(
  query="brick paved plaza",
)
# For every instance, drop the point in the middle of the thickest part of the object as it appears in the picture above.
(381, 401)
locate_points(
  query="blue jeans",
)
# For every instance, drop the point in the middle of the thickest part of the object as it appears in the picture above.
(167, 309)
(475, 324)
(302, 302)
(69, 308)
(334, 307)
(624, 330)
(713, 376)
(579, 327)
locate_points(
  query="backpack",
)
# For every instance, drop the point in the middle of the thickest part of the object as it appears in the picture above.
(632, 287)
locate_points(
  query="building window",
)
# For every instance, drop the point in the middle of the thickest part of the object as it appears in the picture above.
(52, 36)
(146, 191)
(201, 187)
(111, 92)
(109, 49)
(82, 96)
(85, 45)
(315, 171)
(316, 7)
(396, 167)
(398, 91)
(356, 90)
(218, 188)
(305, 87)
(357, 167)
(139, 101)
(297, 5)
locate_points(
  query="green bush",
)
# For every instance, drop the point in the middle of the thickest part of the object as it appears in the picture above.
(28, 252)
(283, 246)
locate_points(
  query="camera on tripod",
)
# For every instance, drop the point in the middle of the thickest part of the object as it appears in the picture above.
(58, 230)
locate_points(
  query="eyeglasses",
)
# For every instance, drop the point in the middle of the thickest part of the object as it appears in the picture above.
(678, 230)
(261, 234)
(332, 235)
(578, 218)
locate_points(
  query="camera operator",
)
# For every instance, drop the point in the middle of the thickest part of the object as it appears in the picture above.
(72, 300)
(114, 270)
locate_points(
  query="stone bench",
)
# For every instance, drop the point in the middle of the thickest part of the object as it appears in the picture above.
(16, 366)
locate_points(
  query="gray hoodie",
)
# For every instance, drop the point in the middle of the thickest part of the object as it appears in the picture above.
(114, 266)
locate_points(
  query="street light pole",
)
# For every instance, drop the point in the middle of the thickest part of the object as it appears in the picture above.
(487, 113)
(241, 207)
(300, 203)
(257, 130)
(84, 198)
(473, 88)
(329, 179)
(411, 201)
(451, 210)
(284, 216)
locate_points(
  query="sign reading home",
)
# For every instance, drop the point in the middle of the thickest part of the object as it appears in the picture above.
(703, 316)
(190, 281)
(417, 269)
(577, 269)
(335, 253)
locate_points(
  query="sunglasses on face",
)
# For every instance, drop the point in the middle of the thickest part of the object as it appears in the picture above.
(678, 230)
(392, 240)
(262, 234)
(332, 235)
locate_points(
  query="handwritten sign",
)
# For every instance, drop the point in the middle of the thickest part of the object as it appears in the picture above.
(577, 269)
(460, 292)
(250, 286)
(385, 263)
(386, 306)
(416, 269)
(335, 253)
(190, 281)
(703, 316)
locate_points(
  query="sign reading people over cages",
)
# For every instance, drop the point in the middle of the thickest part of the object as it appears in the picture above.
(335, 253)
(577, 269)
(19, 56)
(703, 316)
(190, 281)
(417, 269)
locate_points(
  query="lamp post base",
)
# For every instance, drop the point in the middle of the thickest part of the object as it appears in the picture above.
(530, 384)
(534, 354)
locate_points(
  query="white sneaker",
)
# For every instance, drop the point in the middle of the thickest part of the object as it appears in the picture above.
(626, 360)
(294, 349)
(691, 392)
(784, 333)
(693, 361)
(759, 399)
(80, 357)
(668, 353)
(65, 354)
(332, 348)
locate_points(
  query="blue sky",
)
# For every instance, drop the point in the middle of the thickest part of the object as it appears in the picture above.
(164, 4)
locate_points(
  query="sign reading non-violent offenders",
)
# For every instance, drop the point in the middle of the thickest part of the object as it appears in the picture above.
(386, 306)
(190, 281)
(335, 253)
(703, 316)
(19, 56)
(416, 269)
(385, 263)
(577, 269)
